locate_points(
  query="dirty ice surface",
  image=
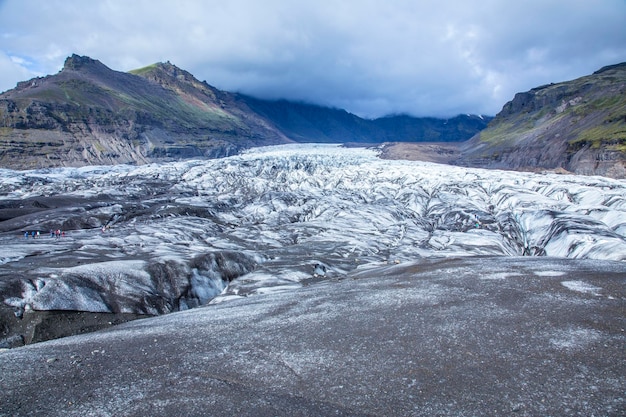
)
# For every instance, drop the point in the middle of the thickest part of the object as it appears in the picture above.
(164, 237)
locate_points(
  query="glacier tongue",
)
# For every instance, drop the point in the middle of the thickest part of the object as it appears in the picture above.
(277, 214)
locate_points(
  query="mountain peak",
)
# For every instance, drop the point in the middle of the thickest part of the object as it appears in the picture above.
(162, 70)
(89, 113)
(77, 62)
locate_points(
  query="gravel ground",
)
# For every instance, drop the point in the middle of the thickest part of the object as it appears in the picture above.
(452, 337)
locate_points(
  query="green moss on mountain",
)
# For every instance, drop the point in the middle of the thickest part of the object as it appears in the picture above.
(144, 70)
(104, 116)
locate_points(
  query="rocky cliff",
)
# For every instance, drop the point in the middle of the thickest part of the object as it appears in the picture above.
(578, 126)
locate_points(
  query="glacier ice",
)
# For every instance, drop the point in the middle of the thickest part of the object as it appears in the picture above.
(276, 214)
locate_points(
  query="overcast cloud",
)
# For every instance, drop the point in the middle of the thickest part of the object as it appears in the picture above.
(372, 58)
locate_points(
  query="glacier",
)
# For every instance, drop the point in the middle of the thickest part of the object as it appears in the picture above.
(158, 238)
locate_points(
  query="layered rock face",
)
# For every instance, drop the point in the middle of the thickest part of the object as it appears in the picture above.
(578, 126)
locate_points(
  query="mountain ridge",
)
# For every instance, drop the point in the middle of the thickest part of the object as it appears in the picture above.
(301, 121)
(89, 114)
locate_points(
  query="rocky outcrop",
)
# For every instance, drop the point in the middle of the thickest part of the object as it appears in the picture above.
(578, 126)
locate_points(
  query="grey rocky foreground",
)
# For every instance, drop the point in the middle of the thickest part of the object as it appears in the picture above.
(449, 337)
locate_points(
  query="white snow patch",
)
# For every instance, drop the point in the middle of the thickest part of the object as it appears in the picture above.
(550, 273)
(581, 286)
(223, 298)
(499, 276)
(277, 289)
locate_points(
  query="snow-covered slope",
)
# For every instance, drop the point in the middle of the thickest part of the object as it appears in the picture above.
(277, 218)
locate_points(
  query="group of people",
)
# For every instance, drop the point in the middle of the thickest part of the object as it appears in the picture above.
(53, 233)
(57, 233)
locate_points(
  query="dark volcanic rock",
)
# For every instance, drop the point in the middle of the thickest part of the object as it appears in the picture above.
(483, 336)
(37, 326)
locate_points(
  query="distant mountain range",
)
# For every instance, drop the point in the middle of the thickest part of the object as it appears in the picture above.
(89, 114)
(310, 123)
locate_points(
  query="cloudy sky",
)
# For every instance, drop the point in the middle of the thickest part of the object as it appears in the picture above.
(372, 58)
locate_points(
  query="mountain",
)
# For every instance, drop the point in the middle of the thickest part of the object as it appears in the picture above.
(304, 122)
(89, 114)
(578, 125)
